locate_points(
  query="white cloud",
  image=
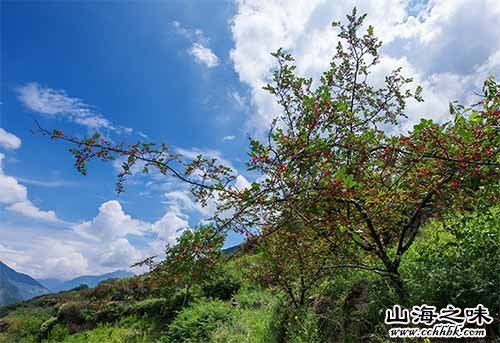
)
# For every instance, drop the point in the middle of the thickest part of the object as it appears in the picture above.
(207, 153)
(112, 240)
(199, 46)
(228, 138)
(56, 103)
(237, 98)
(120, 253)
(170, 226)
(112, 228)
(15, 195)
(46, 254)
(204, 55)
(63, 260)
(143, 135)
(8, 140)
(47, 184)
(180, 199)
(242, 183)
(13, 257)
(27, 209)
(111, 222)
(442, 44)
(10, 190)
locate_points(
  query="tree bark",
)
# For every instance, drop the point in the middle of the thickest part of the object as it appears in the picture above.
(186, 296)
(399, 286)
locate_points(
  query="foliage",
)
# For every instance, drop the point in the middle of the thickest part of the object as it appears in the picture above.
(327, 164)
(103, 333)
(193, 259)
(458, 262)
(224, 284)
(330, 167)
(24, 324)
(256, 317)
(163, 309)
(338, 189)
(195, 323)
(295, 259)
(302, 326)
(121, 289)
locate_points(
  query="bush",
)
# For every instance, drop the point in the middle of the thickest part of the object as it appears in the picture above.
(104, 334)
(23, 324)
(197, 322)
(457, 263)
(224, 286)
(120, 289)
(58, 333)
(303, 326)
(256, 318)
(77, 316)
(159, 308)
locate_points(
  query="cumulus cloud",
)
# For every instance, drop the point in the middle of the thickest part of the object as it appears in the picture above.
(10, 190)
(112, 229)
(15, 196)
(443, 44)
(46, 254)
(111, 240)
(63, 260)
(111, 222)
(171, 225)
(56, 103)
(8, 140)
(228, 138)
(120, 253)
(199, 46)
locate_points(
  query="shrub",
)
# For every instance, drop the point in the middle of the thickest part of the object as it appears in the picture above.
(58, 333)
(23, 324)
(104, 334)
(457, 262)
(197, 322)
(303, 326)
(256, 318)
(223, 286)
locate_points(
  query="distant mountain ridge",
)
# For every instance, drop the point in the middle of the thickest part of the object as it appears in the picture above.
(15, 286)
(56, 285)
(233, 249)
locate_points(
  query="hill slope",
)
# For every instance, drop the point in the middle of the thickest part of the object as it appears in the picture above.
(16, 286)
(90, 280)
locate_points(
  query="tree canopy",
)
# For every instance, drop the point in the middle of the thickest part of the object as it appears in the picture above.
(335, 161)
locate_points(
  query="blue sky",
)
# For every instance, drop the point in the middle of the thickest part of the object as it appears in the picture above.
(189, 74)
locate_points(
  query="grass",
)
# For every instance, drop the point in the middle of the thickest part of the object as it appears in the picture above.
(24, 324)
(256, 318)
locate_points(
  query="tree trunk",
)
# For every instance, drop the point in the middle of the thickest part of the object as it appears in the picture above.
(186, 296)
(399, 286)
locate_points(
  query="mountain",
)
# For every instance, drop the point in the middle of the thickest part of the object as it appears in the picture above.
(16, 286)
(233, 249)
(56, 285)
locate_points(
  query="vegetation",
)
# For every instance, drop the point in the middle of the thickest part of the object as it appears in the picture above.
(346, 220)
(452, 261)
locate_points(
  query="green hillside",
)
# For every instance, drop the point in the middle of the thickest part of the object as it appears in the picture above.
(458, 265)
(16, 286)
